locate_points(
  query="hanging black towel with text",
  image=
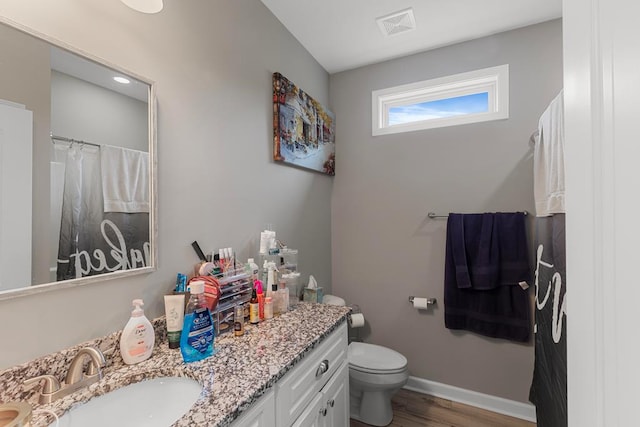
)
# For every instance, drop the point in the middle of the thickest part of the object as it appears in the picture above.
(486, 263)
(549, 386)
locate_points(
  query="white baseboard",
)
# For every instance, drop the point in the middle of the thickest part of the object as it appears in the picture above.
(525, 411)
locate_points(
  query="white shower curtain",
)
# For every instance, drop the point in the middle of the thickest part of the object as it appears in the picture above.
(92, 241)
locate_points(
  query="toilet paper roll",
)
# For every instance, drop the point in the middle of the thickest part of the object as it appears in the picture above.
(420, 303)
(356, 320)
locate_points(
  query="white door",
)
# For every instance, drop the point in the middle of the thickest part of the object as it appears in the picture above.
(16, 141)
(602, 117)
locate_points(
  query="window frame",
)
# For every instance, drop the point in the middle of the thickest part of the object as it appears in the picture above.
(493, 80)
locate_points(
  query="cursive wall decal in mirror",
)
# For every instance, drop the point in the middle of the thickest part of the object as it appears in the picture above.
(77, 166)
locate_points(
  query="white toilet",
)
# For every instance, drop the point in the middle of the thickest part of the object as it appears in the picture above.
(375, 374)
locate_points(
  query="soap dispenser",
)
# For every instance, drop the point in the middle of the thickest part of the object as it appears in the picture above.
(137, 338)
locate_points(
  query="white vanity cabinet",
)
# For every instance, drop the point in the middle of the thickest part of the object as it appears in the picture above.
(261, 414)
(336, 399)
(315, 393)
(312, 414)
(313, 382)
(330, 407)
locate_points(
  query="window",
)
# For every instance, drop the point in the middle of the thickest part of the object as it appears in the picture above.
(476, 96)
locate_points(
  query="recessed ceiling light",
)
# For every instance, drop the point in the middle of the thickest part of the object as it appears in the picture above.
(122, 80)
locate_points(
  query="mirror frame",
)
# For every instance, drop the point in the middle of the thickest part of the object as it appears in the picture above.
(153, 167)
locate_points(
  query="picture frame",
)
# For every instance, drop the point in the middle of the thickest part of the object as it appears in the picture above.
(303, 129)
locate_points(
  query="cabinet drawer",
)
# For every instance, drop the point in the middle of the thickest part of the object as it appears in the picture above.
(300, 385)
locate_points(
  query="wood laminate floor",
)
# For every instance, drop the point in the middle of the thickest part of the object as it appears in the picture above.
(411, 409)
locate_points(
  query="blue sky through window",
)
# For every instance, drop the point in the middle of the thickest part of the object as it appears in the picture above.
(449, 107)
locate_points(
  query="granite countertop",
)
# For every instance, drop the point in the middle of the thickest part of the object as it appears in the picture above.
(242, 369)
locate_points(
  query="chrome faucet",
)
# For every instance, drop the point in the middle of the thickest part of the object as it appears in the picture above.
(75, 379)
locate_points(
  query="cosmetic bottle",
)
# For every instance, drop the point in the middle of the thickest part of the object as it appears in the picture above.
(253, 269)
(196, 341)
(260, 299)
(223, 261)
(174, 310)
(271, 269)
(137, 338)
(217, 270)
(265, 271)
(268, 308)
(275, 297)
(238, 320)
(254, 309)
(283, 297)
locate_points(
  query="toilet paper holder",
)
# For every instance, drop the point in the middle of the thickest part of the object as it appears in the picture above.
(430, 301)
(354, 333)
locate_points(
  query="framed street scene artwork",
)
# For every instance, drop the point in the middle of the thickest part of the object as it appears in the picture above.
(303, 129)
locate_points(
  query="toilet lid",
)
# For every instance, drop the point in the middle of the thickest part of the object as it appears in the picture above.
(371, 357)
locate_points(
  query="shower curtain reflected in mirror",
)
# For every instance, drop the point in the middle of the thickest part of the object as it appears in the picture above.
(93, 241)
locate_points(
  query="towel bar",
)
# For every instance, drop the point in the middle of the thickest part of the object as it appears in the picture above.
(433, 215)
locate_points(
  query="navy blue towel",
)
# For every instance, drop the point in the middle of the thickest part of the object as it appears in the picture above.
(487, 257)
(475, 250)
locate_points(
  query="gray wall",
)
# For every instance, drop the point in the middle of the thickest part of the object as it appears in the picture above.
(384, 246)
(85, 111)
(212, 61)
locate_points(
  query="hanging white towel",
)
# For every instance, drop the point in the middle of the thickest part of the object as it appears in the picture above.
(125, 179)
(548, 160)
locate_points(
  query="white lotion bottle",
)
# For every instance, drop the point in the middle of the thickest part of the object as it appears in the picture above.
(138, 337)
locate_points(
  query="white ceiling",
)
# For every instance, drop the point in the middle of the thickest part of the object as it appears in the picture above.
(343, 34)
(98, 74)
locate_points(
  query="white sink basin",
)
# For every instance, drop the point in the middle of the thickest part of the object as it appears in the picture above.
(155, 402)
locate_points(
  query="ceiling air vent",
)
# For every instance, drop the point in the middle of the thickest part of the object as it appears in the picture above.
(397, 22)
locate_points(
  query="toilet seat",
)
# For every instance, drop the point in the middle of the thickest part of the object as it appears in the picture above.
(377, 371)
(375, 359)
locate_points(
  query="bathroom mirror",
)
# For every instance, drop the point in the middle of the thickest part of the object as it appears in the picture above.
(77, 166)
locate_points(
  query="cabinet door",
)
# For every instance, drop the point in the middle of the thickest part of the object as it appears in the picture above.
(336, 398)
(261, 414)
(299, 387)
(312, 416)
